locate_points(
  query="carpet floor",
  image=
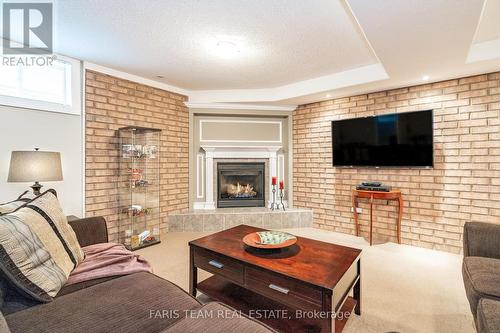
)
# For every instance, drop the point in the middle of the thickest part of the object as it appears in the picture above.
(404, 288)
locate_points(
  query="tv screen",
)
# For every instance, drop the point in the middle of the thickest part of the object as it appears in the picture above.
(400, 139)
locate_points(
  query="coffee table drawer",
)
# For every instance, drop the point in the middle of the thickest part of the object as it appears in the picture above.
(285, 290)
(219, 265)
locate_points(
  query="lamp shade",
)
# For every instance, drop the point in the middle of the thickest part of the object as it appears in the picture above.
(30, 166)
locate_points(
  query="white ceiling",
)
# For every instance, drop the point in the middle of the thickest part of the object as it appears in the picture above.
(280, 41)
(489, 27)
(290, 51)
(486, 44)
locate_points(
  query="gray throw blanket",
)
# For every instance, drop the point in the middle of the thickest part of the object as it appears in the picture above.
(107, 259)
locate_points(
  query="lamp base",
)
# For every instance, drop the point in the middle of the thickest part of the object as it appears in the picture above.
(36, 188)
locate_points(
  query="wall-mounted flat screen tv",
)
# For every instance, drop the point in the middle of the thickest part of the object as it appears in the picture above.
(392, 140)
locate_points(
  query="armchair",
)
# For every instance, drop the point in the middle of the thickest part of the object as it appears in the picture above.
(481, 273)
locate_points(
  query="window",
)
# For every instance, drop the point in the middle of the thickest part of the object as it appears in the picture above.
(53, 87)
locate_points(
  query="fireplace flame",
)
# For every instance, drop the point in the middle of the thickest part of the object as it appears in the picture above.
(241, 191)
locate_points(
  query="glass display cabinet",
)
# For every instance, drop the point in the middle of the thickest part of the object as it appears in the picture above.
(139, 187)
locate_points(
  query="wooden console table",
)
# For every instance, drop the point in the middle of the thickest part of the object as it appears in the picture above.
(371, 195)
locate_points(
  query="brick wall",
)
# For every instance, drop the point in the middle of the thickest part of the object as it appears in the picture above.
(464, 184)
(112, 103)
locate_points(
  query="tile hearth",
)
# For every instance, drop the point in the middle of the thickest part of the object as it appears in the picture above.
(225, 218)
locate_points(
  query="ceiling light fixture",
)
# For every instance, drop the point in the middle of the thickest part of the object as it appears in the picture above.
(328, 95)
(227, 49)
(425, 78)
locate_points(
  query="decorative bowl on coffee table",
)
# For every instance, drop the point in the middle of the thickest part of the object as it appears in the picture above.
(269, 239)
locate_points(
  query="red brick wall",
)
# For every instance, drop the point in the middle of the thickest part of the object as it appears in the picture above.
(111, 103)
(463, 186)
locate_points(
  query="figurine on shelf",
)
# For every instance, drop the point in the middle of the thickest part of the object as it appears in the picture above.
(148, 239)
(137, 210)
(149, 151)
(135, 241)
(141, 183)
(127, 150)
(143, 235)
(128, 236)
(135, 174)
(139, 151)
(136, 180)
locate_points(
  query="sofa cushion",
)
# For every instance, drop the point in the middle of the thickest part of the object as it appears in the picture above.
(13, 300)
(4, 328)
(216, 317)
(129, 303)
(90, 230)
(11, 206)
(481, 279)
(488, 316)
(68, 289)
(38, 248)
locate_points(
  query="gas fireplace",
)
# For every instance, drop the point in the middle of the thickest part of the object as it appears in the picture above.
(240, 185)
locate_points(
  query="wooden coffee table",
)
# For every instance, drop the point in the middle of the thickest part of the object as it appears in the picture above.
(297, 289)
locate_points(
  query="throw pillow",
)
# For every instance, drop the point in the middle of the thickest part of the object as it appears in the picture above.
(14, 204)
(38, 248)
(3, 324)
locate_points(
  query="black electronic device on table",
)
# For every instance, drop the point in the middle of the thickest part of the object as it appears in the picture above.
(373, 186)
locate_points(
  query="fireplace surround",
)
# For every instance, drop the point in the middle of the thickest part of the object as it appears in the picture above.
(215, 154)
(240, 184)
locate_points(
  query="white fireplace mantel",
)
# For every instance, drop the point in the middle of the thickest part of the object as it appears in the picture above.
(241, 151)
(227, 152)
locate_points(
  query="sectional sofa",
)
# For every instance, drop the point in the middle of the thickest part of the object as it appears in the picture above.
(140, 302)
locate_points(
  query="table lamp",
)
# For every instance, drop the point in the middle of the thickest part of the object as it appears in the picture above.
(35, 166)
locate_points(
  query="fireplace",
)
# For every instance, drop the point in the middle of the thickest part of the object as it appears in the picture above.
(240, 185)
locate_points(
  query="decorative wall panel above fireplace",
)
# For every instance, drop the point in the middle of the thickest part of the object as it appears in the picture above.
(218, 138)
(241, 131)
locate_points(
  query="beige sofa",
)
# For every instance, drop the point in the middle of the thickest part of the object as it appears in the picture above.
(140, 302)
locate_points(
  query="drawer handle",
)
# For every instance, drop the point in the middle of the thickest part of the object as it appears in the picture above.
(215, 264)
(278, 288)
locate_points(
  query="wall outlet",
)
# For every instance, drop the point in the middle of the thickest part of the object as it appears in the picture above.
(359, 210)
